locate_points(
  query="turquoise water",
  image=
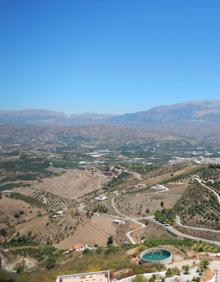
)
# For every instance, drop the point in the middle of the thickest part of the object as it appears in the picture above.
(157, 255)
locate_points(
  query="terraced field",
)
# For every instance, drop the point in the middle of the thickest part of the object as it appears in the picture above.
(51, 201)
(199, 207)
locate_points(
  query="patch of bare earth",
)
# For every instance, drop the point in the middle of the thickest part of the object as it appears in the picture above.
(146, 203)
(121, 231)
(86, 234)
(151, 231)
(73, 183)
(12, 206)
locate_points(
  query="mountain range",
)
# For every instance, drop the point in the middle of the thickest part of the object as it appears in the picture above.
(193, 118)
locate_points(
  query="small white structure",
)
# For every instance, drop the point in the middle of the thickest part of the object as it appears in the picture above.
(44, 200)
(80, 247)
(141, 185)
(160, 188)
(60, 213)
(101, 198)
(118, 221)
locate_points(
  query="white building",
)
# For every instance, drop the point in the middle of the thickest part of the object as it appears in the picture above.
(160, 188)
(118, 221)
(101, 276)
(101, 198)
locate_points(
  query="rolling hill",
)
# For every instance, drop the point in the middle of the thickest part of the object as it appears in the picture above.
(194, 118)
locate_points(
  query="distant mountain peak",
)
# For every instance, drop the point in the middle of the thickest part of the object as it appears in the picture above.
(194, 118)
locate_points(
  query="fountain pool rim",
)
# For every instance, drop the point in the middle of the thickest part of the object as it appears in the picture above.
(167, 259)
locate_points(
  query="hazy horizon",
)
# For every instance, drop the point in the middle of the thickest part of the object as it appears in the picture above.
(109, 113)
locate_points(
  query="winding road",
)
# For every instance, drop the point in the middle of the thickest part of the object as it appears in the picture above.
(170, 229)
(128, 234)
(178, 221)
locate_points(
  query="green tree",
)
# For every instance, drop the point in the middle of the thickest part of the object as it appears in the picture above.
(185, 269)
(204, 264)
(110, 240)
(50, 263)
(139, 278)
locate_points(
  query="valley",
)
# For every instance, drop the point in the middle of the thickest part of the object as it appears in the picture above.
(71, 192)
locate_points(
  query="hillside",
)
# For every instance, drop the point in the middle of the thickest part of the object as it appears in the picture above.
(198, 207)
(194, 118)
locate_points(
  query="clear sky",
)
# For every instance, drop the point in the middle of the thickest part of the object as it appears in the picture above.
(110, 56)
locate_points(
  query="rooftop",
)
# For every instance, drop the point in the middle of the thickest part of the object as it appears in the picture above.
(102, 276)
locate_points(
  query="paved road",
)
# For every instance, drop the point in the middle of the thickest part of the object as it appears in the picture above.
(178, 222)
(170, 229)
(177, 233)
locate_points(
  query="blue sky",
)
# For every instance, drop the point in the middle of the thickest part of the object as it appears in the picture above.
(108, 56)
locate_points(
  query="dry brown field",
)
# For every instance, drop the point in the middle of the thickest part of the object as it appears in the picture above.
(37, 225)
(72, 184)
(86, 234)
(152, 231)
(140, 203)
(53, 229)
(13, 206)
(105, 224)
(96, 231)
(164, 177)
(27, 191)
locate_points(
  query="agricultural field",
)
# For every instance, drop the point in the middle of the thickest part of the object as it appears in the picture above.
(73, 183)
(199, 207)
(17, 211)
(160, 176)
(46, 228)
(87, 233)
(97, 230)
(147, 202)
(199, 233)
(151, 231)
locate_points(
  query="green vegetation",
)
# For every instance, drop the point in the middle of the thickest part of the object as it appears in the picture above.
(66, 164)
(172, 271)
(173, 242)
(19, 214)
(25, 167)
(9, 186)
(141, 168)
(204, 265)
(46, 255)
(139, 278)
(205, 247)
(20, 241)
(100, 209)
(175, 178)
(116, 181)
(186, 269)
(6, 277)
(110, 240)
(165, 216)
(115, 259)
(27, 199)
(199, 207)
